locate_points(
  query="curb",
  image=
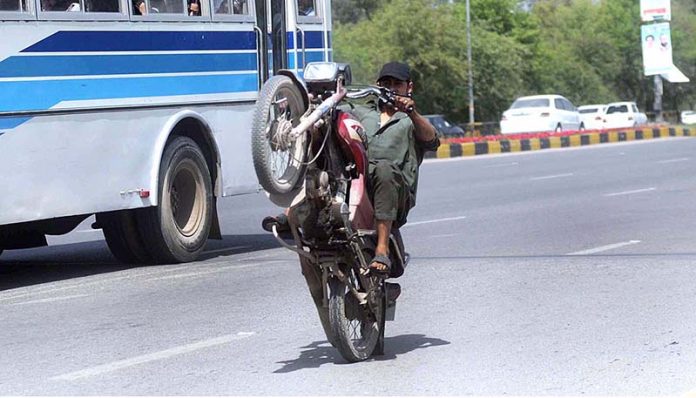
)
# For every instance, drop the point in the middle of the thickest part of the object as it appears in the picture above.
(452, 150)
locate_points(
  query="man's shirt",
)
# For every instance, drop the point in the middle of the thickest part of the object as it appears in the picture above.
(395, 141)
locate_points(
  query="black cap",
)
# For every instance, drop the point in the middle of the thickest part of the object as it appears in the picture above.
(396, 70)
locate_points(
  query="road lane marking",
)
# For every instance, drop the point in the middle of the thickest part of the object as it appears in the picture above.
(79, 285)
(201, 273)
(50, 300)
(501, 165)
(673, 160)
(155, 356)
(410, 224)
(603, 248)
(225, 249)
(629, 192)
(550, 177)
(444, 235)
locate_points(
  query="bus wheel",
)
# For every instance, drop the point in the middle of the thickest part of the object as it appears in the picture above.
(177, 229)
(122, 236)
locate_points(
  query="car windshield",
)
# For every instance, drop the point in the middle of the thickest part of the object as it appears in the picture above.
(531, 103)
(589, 110)
(617, 109)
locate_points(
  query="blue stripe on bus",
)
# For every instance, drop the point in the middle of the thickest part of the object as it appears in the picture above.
(311, 56)
(66, 65)
(82, 41)
(10, 123)
(79, 41)
(41, 95)
(314, 39)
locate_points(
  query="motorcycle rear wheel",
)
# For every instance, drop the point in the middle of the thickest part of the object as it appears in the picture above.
(357, 329)
(278, 161)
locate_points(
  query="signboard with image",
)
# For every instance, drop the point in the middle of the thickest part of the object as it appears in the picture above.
(657, 48)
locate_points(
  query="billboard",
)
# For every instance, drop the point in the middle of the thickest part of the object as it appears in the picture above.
(657, 48)
(655, 10)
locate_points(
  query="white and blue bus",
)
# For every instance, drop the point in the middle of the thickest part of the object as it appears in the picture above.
(139, 112)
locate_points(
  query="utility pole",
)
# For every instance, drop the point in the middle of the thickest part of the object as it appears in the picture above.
(471, 76)
(657, 105)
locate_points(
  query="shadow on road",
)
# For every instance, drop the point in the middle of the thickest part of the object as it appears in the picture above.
(321, 352)
(60, 262)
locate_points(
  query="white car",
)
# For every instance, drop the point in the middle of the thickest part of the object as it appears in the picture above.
(540, 113)
(688, 117)
(622, 115)
(592, 116)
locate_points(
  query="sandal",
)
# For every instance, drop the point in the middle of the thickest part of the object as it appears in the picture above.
(384, 260)
(281, 223)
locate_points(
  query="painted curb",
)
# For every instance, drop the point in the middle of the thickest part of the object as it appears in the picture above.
(452, 150)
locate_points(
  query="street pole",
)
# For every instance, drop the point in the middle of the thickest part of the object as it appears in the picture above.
(657, 105)
(471, 76)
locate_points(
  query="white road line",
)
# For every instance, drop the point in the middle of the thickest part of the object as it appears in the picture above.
(444, 235)
(501, 165)
(89, 231)
(629, 192)
(673, 160)
(410, 224)
(155, 356)
(201, 273)
(50, 300)
(79, 285)
(603, 248)
(551, 176)
(227, 249)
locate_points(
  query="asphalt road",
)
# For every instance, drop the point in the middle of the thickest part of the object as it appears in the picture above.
(563, 272)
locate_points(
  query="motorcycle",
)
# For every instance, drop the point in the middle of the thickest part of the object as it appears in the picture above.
(310, 157)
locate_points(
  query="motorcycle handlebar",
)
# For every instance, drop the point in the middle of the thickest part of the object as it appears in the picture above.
(384, 94)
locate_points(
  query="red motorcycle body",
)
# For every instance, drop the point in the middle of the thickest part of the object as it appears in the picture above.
(350, 134)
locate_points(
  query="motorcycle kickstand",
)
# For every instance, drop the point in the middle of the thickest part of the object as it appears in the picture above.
(379, 348)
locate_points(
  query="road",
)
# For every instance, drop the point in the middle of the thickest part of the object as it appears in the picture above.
(556, 272)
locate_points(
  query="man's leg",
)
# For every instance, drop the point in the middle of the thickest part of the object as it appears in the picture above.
(387, 191)
(383, 231)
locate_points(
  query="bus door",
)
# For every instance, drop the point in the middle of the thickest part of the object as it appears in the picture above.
(272, 24)
(312, 32)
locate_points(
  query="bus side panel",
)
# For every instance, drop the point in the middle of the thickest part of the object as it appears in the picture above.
(59, 166)
(231, 127)
(100, 158)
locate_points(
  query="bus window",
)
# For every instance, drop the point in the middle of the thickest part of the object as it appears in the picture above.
(306, 8)
(167, 6)
(12, 5)
(102, 6)
(55, 5)
(239, 7)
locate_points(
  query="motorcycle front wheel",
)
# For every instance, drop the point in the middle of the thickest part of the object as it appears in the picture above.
(278, 159)
(357, 328)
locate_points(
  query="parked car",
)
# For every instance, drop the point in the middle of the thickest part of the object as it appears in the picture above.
(540, 113)
(445, 128)
(592, 116)
(623, 114)
(688, 117)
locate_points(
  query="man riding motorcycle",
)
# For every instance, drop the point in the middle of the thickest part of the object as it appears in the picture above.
(397, 137)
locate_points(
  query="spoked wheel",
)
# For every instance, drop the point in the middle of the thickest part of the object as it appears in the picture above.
(278, 158)
(357, 328)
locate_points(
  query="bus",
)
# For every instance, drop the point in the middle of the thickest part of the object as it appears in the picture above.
(138, 112)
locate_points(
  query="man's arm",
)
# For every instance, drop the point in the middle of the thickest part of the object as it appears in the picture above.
(425, 132)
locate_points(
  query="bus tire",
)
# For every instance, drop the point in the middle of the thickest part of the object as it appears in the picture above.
(177, 229)
(122, 236)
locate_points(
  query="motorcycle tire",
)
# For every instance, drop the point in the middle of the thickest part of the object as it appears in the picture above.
(355, 338)
(279, 164)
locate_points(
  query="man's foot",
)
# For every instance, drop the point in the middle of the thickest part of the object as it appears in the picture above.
(381, 264)
(281, 223)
